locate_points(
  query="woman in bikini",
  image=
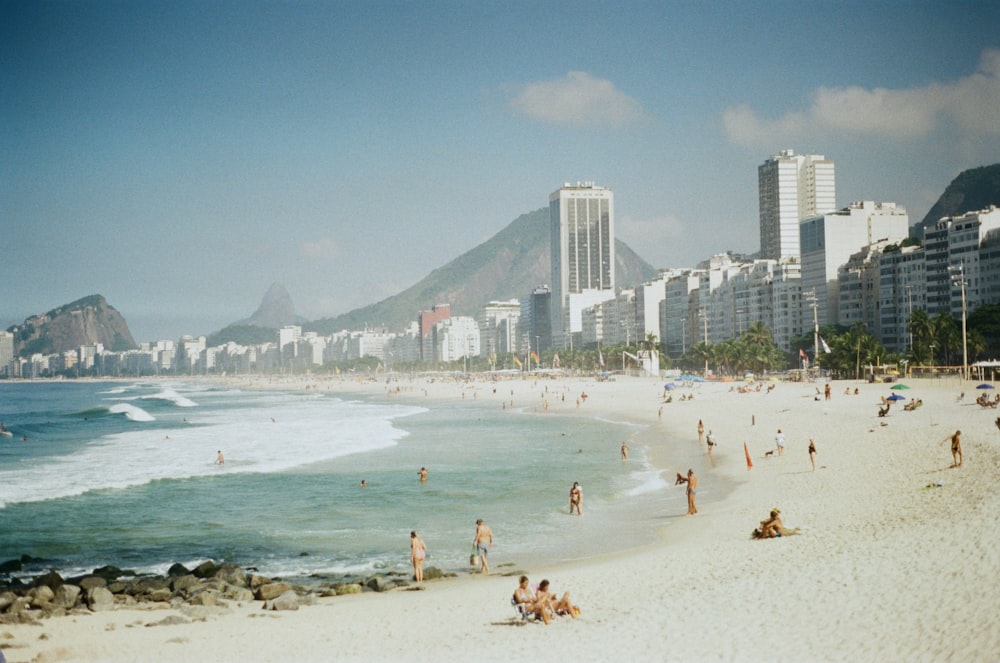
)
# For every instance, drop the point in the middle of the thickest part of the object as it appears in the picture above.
(576, 499)
(523, 596)
(418, 551)
(560, 606)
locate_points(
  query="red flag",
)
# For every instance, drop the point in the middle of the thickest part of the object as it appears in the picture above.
(747, 452)
(802, 353)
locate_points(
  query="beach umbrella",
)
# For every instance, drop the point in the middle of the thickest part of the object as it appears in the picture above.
(669, 387)
(897, 397)
(899, 386)
(985, 386)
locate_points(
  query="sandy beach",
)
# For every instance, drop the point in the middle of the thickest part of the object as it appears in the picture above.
(896, 559)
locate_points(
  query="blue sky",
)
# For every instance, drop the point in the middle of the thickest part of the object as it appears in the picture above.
(179, 157)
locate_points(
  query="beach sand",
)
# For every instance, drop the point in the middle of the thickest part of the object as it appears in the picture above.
(888, 565)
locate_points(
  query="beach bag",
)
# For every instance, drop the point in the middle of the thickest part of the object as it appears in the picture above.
(474, 558)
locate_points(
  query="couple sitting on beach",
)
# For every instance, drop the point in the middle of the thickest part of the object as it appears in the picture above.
(772, 527)
(542, 603)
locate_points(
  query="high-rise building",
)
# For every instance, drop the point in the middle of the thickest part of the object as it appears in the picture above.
(792, 187)
(582, 222)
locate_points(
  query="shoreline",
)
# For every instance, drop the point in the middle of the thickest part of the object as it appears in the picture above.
(888, 563)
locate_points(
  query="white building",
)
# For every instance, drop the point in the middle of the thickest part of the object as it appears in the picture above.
(829, 240)
(456, 338)
(582, 226)
(792, 187)
(499, 324)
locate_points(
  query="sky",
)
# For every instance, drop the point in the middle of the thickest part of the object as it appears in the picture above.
(180, 157)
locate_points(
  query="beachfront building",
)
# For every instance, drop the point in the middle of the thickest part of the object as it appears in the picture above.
(792, 187)
(536, 319)
(676, 321)
(456, 338)
(611, 322)
(963, 244)
(426, 321)
(648, 297)
(827, 241)
(6, 353)
(582, 229)
(499, 322)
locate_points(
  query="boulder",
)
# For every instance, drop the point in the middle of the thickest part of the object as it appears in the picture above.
(257, 581)
(207, 598)
(182, 583)
(99, 599)
(433, 573)
(349, 588)
(160, 595)
(238, 593)
(205, 569)
(177, 569)
(89, 582)
(379, 584)
(109, 572)
(50, 579)
(6, 600)
(66, 596)
(272, 590)
(232, 574)
(147, 585)
(41, 596)
(287, 601)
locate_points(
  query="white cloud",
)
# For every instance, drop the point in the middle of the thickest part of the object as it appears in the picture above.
(972, 103)
(578, 100)
(323, 248)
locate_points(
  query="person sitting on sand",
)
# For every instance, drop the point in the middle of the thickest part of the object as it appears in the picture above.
(770, 527)
(998, 422)
(523, 596)
(559, 606)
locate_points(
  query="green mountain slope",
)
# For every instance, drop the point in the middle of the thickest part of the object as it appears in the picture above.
(973, 189)
(507, 266)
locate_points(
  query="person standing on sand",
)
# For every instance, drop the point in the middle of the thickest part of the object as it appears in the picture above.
(624, 449)
(826, 391)
(779, 439)
(812, 452)
(418, 551)
(484, 539)
(956, 448)
(701, 431)
(692, 483)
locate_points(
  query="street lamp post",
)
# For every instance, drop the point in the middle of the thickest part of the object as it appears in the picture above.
(683, 336)
(811, 298)
(704, 319)
(960, 281)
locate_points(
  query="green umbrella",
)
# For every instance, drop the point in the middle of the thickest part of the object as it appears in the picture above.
(899, 386)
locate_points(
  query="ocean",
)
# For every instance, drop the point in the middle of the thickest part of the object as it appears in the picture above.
(124, 473)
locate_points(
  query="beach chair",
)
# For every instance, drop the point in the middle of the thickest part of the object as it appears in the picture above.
(523, 616)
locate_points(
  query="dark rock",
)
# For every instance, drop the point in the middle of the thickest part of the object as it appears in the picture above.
(51, 579)
(205, 569)
(271, 591)
(109, 572)
(379, 584)
(99, 598)
(433, 573)
(118, 587)
(145, 585)
(177, 569)
(10, 566)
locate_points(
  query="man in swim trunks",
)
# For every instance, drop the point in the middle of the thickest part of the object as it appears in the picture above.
(422, 473)
(956, 448)
(219, 458)
(484, 539)
(691, 492)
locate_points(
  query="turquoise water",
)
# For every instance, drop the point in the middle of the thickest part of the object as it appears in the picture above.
(124, 474)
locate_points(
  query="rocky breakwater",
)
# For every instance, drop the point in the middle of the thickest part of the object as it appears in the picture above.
(208, 585)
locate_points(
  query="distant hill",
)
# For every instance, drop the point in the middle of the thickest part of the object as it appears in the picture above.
(84, 322)
(973, 189)
(275, 311)
(509, 265)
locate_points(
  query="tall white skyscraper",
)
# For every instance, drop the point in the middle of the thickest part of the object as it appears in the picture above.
(792, 187)
(582, 219)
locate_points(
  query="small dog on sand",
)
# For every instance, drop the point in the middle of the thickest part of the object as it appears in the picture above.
(680, 479)
(769, 453)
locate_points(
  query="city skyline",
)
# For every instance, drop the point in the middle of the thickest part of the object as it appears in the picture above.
(180, 158)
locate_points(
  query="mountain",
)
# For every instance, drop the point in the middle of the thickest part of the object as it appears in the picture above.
(973, 189)
(509, 265)
(275, 311)
(86, 321)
